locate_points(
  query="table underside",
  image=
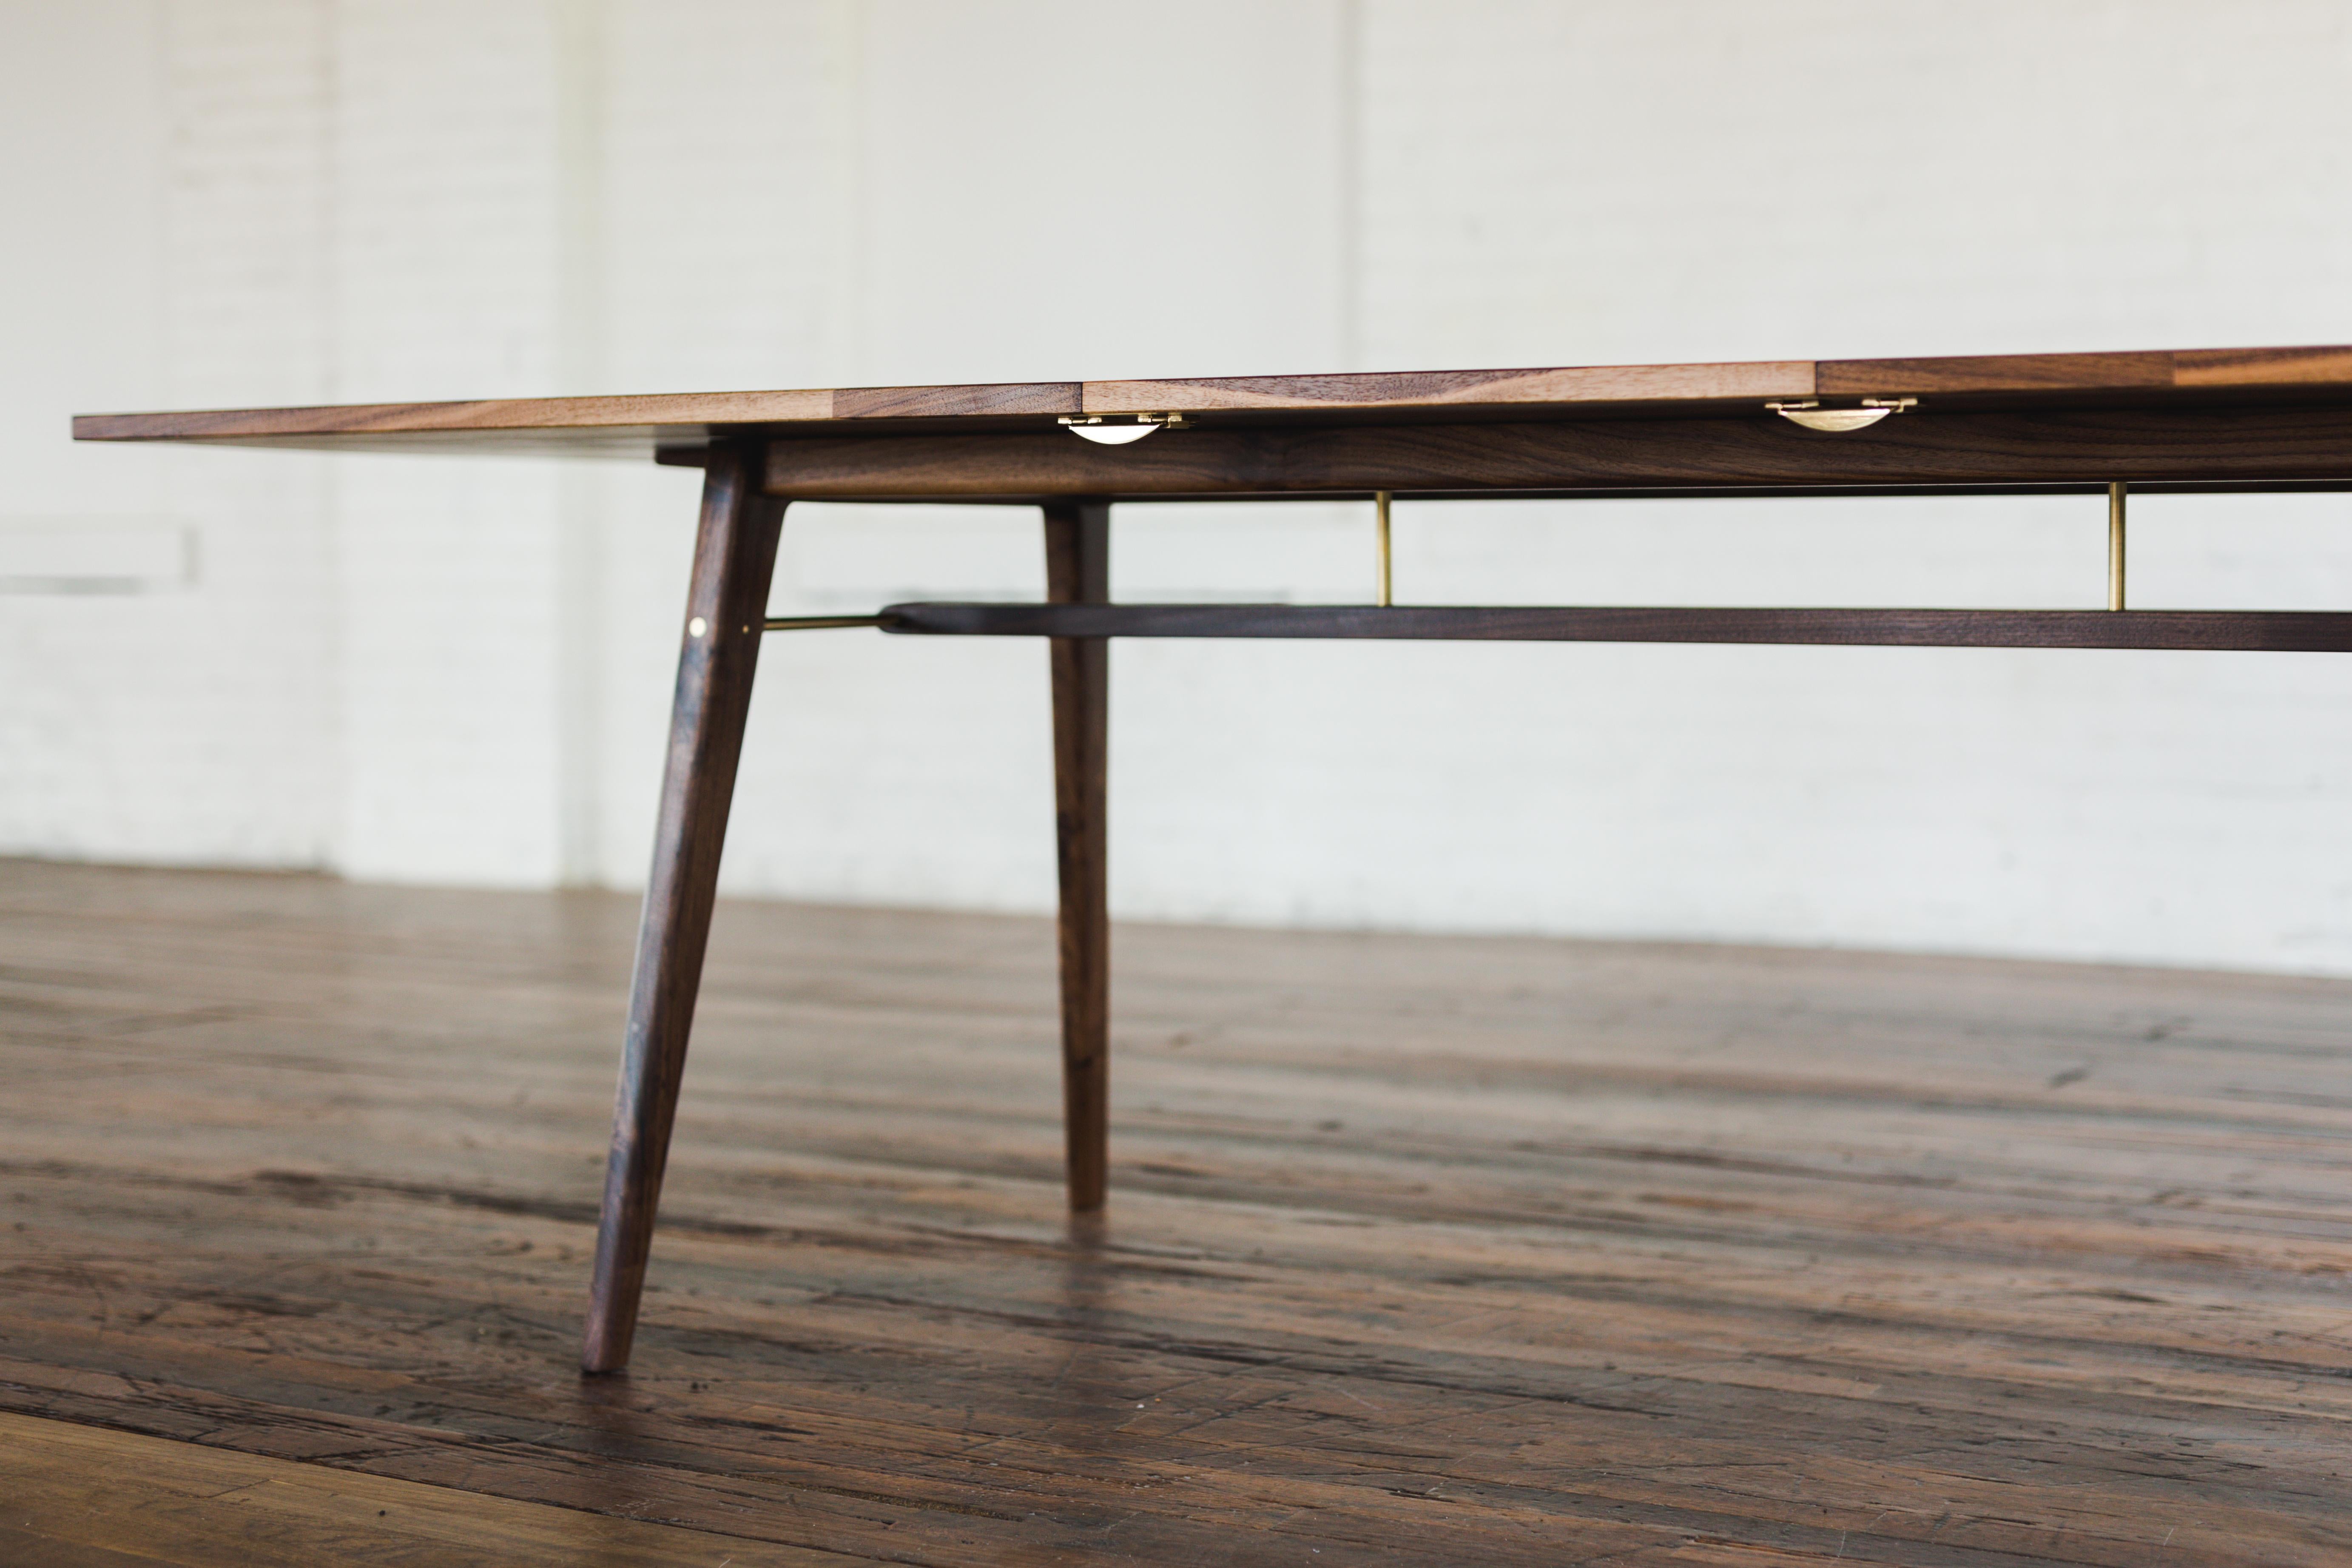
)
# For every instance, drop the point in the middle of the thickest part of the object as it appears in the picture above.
(1991, 453)
(1927, 452)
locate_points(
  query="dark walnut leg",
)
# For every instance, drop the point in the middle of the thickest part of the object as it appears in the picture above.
(1077, 571)
(734, 557)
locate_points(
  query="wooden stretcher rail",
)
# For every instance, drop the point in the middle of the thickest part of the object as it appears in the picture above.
(2274, 631)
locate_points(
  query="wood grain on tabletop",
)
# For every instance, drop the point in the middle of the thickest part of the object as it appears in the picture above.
(1419, 1251)
(641, 419)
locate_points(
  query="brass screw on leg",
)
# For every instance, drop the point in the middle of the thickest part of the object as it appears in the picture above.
(2115, 546)
(1381, 507)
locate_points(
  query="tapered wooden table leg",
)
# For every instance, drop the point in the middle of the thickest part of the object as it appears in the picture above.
(734, 557)
(1078, 570)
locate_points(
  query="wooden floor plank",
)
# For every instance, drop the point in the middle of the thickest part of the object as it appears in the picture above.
(79, 1497)
(1419, 1249)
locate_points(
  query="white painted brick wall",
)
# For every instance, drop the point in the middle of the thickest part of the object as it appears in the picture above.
(729, 230)
(458, 671)
(447, 258)
(1566, 184)
(165, 193)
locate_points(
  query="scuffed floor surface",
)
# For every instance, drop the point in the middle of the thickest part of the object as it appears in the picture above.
(1420, 1250)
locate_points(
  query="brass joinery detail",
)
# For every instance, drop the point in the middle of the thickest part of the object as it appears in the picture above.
(2115, 546)
(1813, 416)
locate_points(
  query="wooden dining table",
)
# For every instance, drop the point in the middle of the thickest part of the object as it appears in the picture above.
(2101, 425)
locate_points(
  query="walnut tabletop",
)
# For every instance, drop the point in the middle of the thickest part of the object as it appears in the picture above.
(639, 425)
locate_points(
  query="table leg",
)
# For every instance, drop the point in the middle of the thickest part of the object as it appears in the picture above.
(1078, 570)
(734, 557)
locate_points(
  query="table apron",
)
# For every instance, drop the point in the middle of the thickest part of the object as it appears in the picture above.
(2253, 442)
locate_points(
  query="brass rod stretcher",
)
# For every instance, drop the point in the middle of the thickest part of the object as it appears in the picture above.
(2112, 425)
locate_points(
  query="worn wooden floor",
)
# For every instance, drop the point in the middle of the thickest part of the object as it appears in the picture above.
(1420, 1250)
